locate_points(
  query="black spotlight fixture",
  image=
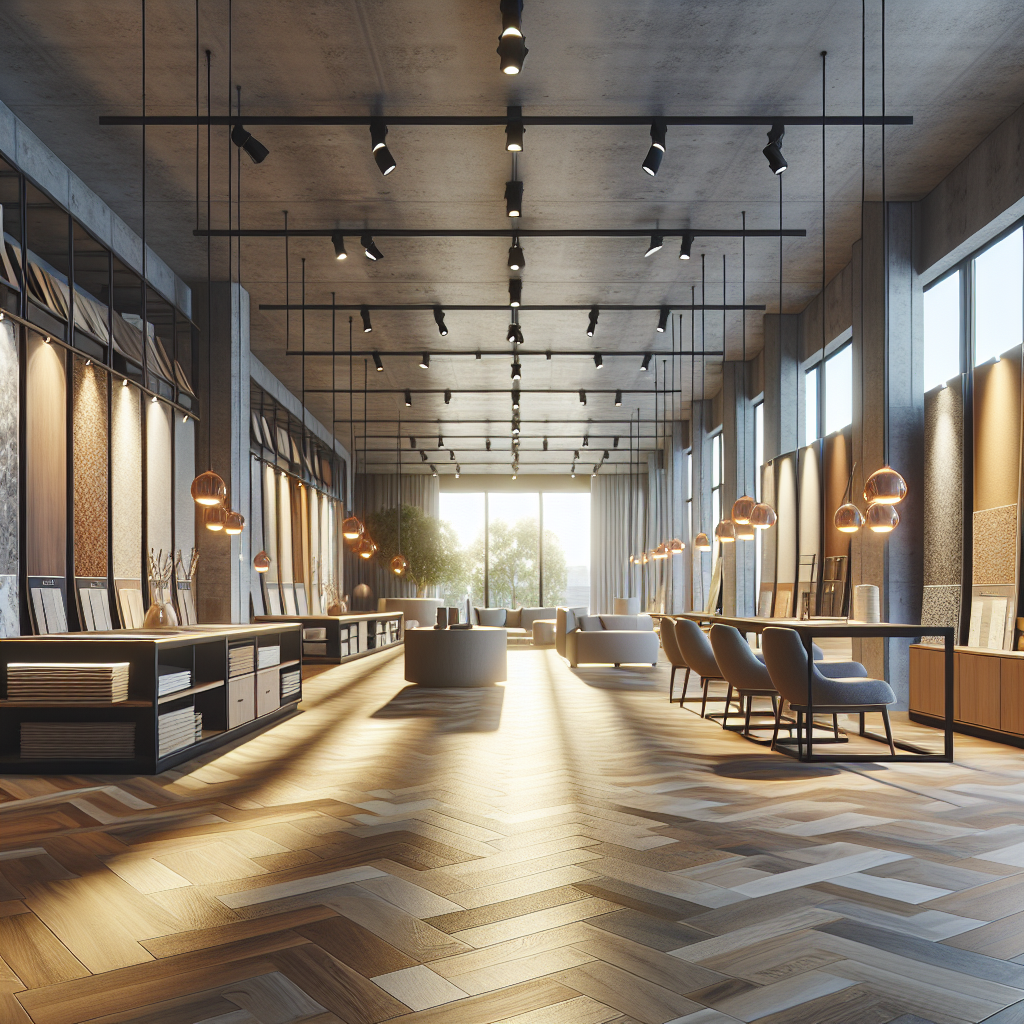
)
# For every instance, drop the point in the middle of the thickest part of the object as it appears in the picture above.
(605, 455)
(586, 440)
(338, 241)
(458, 471)
(514, 130)
(615, 442)
(423, 455)
(657, 151)
(364, 312)
(451, 455)
(686, 245)
(598, 361)
(517, 371)
(576, 455)
(381, 154)
(515, 424)
(663, 315)
(514, 198)
(440, 441)
(412, 442)
(487, 444)
(256, 151)
(425, 361)
(512, 43)
(439, 320)
(447, 401)
(370, 248)
(516, 256)
(618, 401)
(515, 398)
(645, 365)
(377, 364)
(773, 151)
(515, 442)
(433, 470)
(408, 397)
(515, 292)
(657, 241)
(545, 444)
(592, 326)
(583, 397)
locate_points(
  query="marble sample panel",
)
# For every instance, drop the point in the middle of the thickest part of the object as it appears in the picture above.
(10, 619)
(9, 407)
(940, 606)
(126, 481)
(943, 489)
(159, 535)
(995, 546)
(89, 467)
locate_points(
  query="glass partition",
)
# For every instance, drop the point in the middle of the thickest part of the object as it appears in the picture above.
(942, 322)
(999, 298)
(126, 293)
(839, 389)
(513, 550)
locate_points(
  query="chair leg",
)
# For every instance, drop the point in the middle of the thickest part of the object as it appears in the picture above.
(704, 703)
(778, 721)
(671, 682)
(746, 721)
(888, 731)
(686, 683)
(835, 726)
(728, 701)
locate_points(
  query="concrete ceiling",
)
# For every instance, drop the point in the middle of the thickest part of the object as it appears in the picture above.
(957, 68)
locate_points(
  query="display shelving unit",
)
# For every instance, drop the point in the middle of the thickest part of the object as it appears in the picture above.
(347, 636)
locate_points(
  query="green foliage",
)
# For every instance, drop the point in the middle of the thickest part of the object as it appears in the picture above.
(514, 577)
(430, 546)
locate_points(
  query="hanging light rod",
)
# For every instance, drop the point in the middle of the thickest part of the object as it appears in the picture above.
(497, 424)
(500, 120)
(326, 306)
(498, 391)
(513, 232)
(504, 353)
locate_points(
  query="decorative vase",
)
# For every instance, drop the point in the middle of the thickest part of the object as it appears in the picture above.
(161, 615)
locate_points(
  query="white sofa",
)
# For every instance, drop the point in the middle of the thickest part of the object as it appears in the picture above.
(517, 622)
(584, 639)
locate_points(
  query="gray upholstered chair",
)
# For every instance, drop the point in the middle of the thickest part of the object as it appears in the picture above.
(745, 674)
(786, 660)
(696, 651)
(672, 652)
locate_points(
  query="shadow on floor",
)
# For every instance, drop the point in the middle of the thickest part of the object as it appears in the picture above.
(772, 768)
(605, 677)
(459, 709)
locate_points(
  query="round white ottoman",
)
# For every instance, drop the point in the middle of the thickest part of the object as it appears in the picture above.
(456, 657)
(544, 632)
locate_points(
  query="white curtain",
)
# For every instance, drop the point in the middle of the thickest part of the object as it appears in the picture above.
(616, 530)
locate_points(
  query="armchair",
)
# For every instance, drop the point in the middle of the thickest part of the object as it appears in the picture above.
(605, 639)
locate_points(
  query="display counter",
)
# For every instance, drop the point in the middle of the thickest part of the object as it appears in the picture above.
(334, 639)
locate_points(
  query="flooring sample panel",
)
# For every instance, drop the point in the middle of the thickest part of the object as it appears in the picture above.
(837, 455)
(284, 529)
(45, 459)
(89, 466)
(943, 492)
(184, 474)
(9, 407)
(126, 481)
(769, 537)
(995, 546)
(270, 531)
(787, 510)
(256, 539)
(159, 534)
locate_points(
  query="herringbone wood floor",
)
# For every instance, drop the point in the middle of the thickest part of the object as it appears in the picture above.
(566, 848)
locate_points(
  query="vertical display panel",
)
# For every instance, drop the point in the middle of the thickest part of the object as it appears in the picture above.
(89, 469)
(184, 474)
(126, 481)
(256, 541)
(769, 543)
(159, 535)
(787, 510)
(809, 526)
(10, 624)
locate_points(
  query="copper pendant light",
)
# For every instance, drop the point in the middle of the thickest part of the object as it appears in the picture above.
(398, 564)
(352, 529)
(215, 517)
(365, 547)
(762, 517)
(234, 522)
(882, 518)
(676, 546)
(885, 487)
(744, 531)
(660, 552)
(725, 532)
(261, 562)
(848, 518)
(209, 490)
(701, 542)
(742, 508)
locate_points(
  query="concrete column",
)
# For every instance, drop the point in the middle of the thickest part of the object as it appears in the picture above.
(223, 576)
(783, 387)
(738, 474)
(678, 489)
(888, 423)
(700, 447)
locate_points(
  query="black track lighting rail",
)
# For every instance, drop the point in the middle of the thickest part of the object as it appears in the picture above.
(499, 391)
(506, 353)
(504, 307)
(515, 232)
(437, 424)
(501, 120)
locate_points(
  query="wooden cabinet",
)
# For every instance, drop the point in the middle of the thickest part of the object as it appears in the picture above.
(241, 700)
(976, 687)
(268, 690)
(927, 680)
(1011, 695)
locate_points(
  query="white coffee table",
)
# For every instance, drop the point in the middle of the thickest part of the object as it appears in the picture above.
(456, 657)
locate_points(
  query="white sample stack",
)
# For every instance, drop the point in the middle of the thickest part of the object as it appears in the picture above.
(291, 682)
(269, 657)
(170, 680)
(67, 683)
(241, 660)
(177, 729)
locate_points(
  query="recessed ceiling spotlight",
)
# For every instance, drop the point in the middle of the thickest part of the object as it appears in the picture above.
(576, 455)
(440, 441)
(517, 371)
(514, 198)
(338, 241)
(514, 130)
(583, 396)
(364, 312)
(515, 292)
(586, 440)
(512, 43)
(425, 361)
(592, 326)
(657, 241)
(381, 154)
(516, 256)
(663, 315)
(256, 151)
(408, 397)
(773, 151)
(370, 248)
(618, 401)
(439, 320)
(378, 365)
(657, 151)
(447, 399)
(458, 471)
(598, 361)
(686, 245)
(487, 444)
(647, 361)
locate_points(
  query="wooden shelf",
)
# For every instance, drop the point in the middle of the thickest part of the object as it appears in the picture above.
(75, 704)
(192, 689)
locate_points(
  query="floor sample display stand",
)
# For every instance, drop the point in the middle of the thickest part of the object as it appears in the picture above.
(338, 638)
(241, 679)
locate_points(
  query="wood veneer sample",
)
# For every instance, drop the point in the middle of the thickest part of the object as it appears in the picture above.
(284, 530)
(997, 429)
(45, 459)
(838, 448)
(786, 510)
(158, 478)
(927, 681)
(126, 481)
(89, 468)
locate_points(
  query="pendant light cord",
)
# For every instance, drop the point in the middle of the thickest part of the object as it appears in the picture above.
(209, 269)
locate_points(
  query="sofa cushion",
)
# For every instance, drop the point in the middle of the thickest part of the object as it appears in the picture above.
(530, 615)
(627, 622)
(589, 623)
(490, 616)
(513, 618)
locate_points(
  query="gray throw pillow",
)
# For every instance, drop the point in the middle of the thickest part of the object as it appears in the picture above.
(490, 616)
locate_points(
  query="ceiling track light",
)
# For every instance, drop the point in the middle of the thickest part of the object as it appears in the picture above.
(447, 399)
(586, 440)
(517, 371)
(516, 256)
(686, 245)
(425, 361)
(440, 441)
(512, 43)
(364, 312)
(378, 365)
(657, 242)
(515, 292)
(615, 442)
(408, 397)
(254, 149)
(545, 444)
(423, 455)
(487, 444)
(451, 455)
(370, 248)
(514, 198)
(439, 320)
(514, 130)
(458, 471)
(515, 334)
(412, 442)
(645, 365)
(592, 325)
(583, 396)
(773, 151)
(618, 402)
(657, 151)
(433, 470)
(663, 315)
(338, 241)
(381, 154)
(598, 361)
(515, 398)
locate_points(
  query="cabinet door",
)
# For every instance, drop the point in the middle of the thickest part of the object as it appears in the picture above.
(979, 689)
(241, 700)
(1011, 695)
(927, 681)
(268, 691)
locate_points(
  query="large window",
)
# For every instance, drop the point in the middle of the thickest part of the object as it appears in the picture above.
(999, 297)
(942, 331)
(811, 417)
(505, 562)
(839, 389)
(716, 479)
(759, 456)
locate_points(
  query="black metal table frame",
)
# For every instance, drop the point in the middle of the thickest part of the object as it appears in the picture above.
(808, 629)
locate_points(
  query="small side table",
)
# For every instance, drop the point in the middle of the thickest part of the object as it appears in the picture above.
(456, 657)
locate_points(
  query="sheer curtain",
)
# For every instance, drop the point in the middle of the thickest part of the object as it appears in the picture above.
(616, 527)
